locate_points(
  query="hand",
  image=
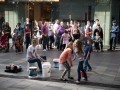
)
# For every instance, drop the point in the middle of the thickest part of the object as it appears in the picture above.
(112, 30)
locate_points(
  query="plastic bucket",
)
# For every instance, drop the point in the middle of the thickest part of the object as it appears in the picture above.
(32, 72)
(56, 63)
(46, 69)
(61, 67)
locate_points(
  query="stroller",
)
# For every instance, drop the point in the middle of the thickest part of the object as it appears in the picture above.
(4, 43)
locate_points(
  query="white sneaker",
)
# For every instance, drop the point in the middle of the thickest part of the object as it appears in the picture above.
(77, 82)
(83, 78)
(54, 47)
(44, 49)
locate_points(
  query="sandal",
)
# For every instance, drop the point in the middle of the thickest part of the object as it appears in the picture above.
(63, 79)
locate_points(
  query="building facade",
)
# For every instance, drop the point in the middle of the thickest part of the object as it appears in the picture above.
(105, 10)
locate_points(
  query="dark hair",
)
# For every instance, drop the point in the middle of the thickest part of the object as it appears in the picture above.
(114, 21)
(98, 24)
(97, 32)
(19, 23)
(66, 31)
(90, 40)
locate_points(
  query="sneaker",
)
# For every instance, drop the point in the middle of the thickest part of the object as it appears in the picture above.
(85, 79)
(109, 49)
(63, 79)
(44, 49)
(54, 47)
(82, 78)
(78, 82)
(102, 51)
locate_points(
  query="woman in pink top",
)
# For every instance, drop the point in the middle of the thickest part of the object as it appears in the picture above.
(64, 58)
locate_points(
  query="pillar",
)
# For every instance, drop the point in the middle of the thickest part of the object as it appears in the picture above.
(103, 13)
(37, 11)
(26, 10)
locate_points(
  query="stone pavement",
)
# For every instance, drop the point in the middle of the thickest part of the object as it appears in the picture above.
(26, 84)
(105, 73)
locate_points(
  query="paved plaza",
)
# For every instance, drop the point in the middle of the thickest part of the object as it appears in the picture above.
(104, 76)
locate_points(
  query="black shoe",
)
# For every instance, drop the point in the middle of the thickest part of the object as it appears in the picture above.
(101, 51)
(113, 48)
(6, 51)
(40, 71)
(109, 49)
(63, 79)
(90, 69)
(70, 78)
(51, 48)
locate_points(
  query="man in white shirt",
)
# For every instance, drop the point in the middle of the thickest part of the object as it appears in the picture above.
(55, 29)
(31, 57)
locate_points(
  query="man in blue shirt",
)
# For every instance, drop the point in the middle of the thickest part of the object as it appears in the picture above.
(113, 35)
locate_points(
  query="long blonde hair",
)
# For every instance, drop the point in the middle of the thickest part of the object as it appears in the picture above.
(79, 46)
(69, 45)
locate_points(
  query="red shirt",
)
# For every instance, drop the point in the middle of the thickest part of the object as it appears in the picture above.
(27, 32)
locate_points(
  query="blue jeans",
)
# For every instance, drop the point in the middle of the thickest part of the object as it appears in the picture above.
(28, 41)
(32, 60)
(58, 42)
(86, 64)
(112, 42)
(80, 68)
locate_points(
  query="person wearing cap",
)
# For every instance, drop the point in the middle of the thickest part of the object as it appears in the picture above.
(113, 35)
